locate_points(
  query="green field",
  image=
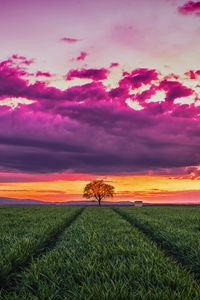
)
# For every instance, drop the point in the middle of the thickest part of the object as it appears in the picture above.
(100, 253)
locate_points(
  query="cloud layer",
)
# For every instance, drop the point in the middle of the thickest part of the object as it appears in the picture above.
(190, 7)
(93, 128)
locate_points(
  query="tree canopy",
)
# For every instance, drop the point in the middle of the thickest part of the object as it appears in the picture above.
(98, 190)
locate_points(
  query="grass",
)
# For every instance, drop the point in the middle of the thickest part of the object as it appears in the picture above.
(176, 230)
(102, 256)
(26, 232)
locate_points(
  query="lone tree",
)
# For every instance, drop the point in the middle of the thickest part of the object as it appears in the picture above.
(99, 190)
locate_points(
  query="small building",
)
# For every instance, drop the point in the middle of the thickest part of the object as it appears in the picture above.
(138, 203)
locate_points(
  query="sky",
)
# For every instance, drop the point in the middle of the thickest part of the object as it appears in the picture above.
(104, 89)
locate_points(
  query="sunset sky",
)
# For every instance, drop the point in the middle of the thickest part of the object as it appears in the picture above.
(104, 89)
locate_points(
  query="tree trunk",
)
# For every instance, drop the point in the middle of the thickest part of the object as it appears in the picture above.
(99, 202)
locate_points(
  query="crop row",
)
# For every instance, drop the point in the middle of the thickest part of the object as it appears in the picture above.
(179, 216)
(178, 240)
(27, 236)
(17, 222)
(101, 256)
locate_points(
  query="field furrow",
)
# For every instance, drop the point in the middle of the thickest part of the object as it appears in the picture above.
(101, 256)
(22, 244)
(181, 217)
(177, 239)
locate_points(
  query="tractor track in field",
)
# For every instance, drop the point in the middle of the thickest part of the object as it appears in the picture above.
(160, 243)
(14, 278)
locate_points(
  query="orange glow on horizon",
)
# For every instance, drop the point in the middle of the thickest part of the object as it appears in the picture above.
(147, 188)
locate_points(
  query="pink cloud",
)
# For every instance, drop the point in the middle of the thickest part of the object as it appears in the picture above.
(69, 40)
(22, 59)
(142, 97)
(193, 74)
(43, 74)
(16, 65)
(82, 55)
(138, 77)
(94, 74)
(112, 65)
(192, 173)
(174, 90)
(190, 7)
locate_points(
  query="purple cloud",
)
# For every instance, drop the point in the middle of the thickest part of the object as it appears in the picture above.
(114, 64)
(174, 90)
(190, 7)
(43, 74)
(82, 56)
(94, 74)
(69, 40)
(193, 74)
(91, 129)
(139, 77)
